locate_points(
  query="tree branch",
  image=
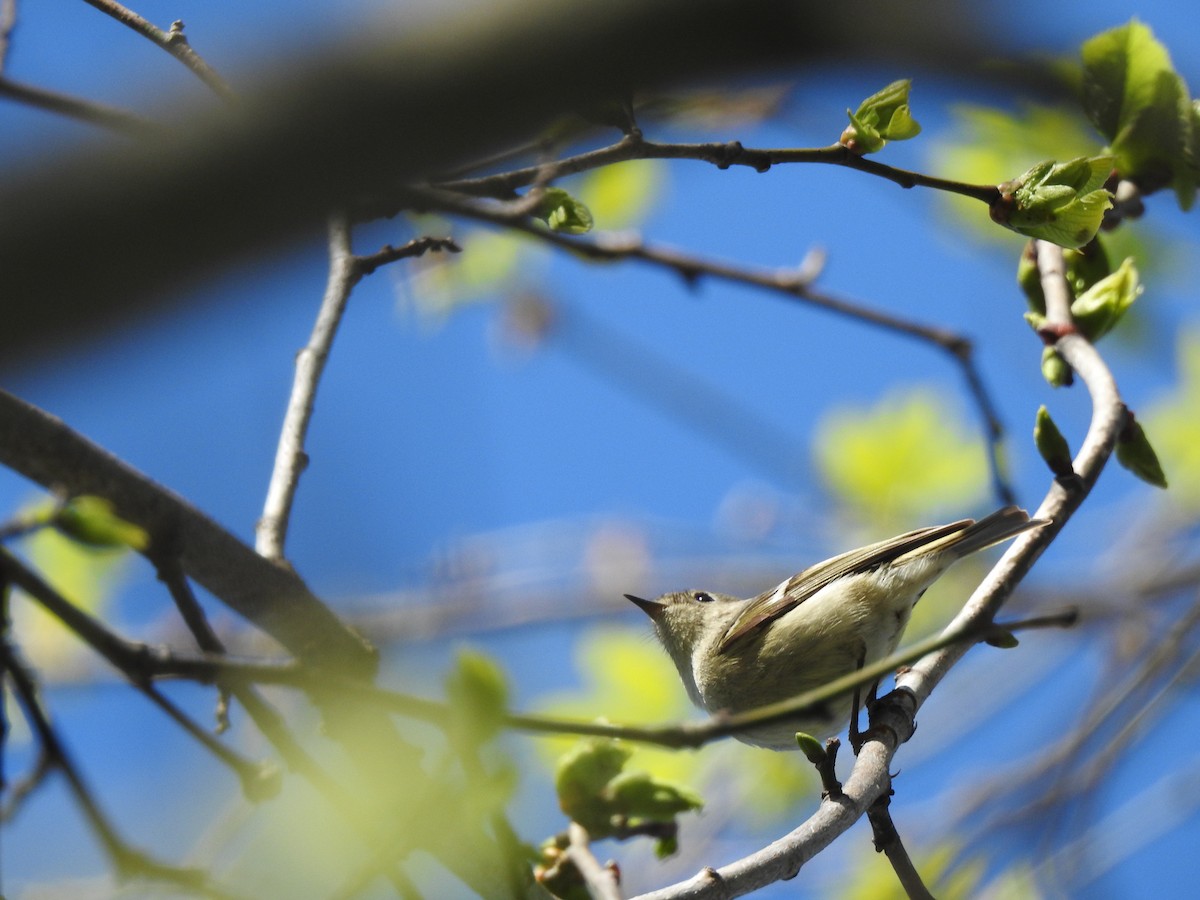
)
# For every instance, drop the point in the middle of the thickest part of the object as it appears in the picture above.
(126, 859)
(720, 154)
(796, 284)
(172, 41)
(110, 117)
(274, 598)
(345, 271)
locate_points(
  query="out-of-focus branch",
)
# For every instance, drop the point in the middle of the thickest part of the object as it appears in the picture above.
(126, 860)
(110, 117)
(173, 41)
(272, 597)
(328, 130)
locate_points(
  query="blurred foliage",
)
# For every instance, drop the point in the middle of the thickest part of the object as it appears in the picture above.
(86, 573)
(596, 790)
(1175, 424)
(943, 870)
(910, 457)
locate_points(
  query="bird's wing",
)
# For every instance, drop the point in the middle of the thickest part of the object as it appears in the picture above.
(770, 605)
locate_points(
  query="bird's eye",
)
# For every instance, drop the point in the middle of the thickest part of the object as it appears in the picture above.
(702, 597)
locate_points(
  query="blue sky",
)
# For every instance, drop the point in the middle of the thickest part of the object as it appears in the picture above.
(428, 435)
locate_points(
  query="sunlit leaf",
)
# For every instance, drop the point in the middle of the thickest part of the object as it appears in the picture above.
(1138, 101)
(1059, 202)
(882, 117)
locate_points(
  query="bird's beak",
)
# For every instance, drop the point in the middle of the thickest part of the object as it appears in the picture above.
(652, 608)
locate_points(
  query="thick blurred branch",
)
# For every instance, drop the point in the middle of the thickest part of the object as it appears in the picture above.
(223, 185)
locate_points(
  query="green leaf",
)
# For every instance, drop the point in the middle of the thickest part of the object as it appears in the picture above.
(94, 521)
(1054, 368)
(1135, 98)
(641, 796)
(581, 777)
(562, 212)
(1101, 306)
(1059, 202)
(478, 695)
(882, 117)
(1051, 444)
(1135, 454)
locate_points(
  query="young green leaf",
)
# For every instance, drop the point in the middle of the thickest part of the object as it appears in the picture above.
(562, 212)
(1063, 203)
(1098, 309)
(1135, 98)
(1052, 445)
(882, 117)
(1135, 454)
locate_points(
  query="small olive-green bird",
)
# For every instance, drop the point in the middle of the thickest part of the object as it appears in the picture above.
(828, 621)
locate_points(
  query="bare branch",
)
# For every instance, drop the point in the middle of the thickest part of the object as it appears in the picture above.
(887, 841)
(601, 884)
(720, 154)
(290, 457)
(345, 271)
(110, 117)
(274, 598)
(172, 41)
(126, 859)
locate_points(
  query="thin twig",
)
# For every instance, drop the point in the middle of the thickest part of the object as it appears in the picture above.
(345, 271)
(600, 882)
(127, 860)
(720, 154)
(173, 41)
(290, 457)
(887, 841)
(110, 117)
(118, 651)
